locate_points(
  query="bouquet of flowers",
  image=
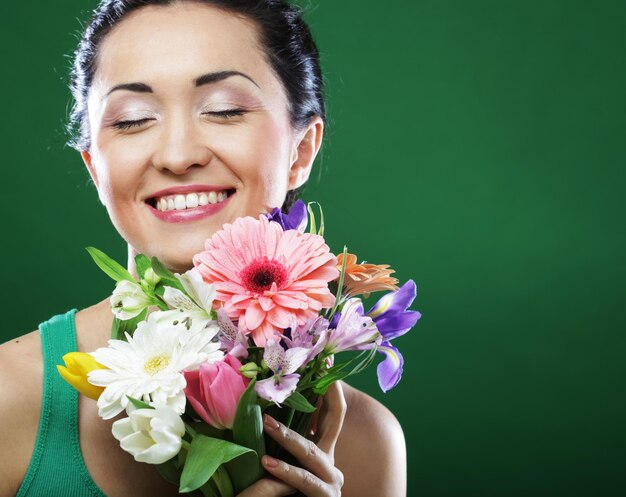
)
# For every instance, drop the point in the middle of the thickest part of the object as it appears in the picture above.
(195, 359)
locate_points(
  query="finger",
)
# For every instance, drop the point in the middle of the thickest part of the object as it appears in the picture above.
(268, 487)
(303, 449)
(300, 479)
(315, 417)
(331, 418)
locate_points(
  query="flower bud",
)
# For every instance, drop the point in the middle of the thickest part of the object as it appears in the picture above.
(151, 277)
(77, 366)
(249, 370)
(214, 391)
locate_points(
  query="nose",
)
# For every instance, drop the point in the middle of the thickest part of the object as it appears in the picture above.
(181, 146)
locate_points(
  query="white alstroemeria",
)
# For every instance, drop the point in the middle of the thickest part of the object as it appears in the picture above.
(128, 300)
(283, 363)
(195, 308)
(149, 365)
(152, 436)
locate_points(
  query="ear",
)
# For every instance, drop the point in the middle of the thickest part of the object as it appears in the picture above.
(86, 156)
(305, 150)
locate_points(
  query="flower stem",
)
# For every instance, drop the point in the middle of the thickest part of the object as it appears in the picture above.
(340, 286)
(222, 482)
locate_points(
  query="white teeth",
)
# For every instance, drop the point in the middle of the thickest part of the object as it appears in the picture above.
(192, 200)
(189, 201)
(179, 202)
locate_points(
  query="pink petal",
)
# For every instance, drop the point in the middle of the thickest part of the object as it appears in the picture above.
(254, 315)
(263, 333)
(266, 303)
(279, 317)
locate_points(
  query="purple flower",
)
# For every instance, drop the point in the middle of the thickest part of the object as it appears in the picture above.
(393, 320)
(296, 219)
(354, 330)
(283, 363)
(335, 320)
(231, 339)
(390, 313)
(390, 370)
(309, 335)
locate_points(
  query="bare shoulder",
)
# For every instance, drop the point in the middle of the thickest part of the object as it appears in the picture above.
(21, 385)
(371, 450)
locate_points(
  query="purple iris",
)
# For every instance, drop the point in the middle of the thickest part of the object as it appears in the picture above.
(393, 320)
(296, 219)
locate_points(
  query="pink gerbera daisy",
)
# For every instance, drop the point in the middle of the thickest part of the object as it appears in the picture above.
(267, 277)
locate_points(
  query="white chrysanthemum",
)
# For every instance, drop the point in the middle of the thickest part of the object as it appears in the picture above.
(149, 365)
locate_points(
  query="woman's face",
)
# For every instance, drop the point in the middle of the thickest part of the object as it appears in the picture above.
(189, 129)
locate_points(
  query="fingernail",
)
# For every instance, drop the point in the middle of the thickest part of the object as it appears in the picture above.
(270, 422)
(270, 462)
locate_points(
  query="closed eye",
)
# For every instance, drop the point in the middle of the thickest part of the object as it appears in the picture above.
(131, 124)
(226, 113)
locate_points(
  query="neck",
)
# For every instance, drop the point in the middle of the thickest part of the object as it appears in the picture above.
(130, 264)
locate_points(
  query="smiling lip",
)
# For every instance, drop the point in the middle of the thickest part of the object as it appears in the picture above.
(189, 215)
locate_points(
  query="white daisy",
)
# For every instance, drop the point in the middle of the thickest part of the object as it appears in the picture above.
(149, 366)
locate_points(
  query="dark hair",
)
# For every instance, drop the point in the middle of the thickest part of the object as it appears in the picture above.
(287, 41)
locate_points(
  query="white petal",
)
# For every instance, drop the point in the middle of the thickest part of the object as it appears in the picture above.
(294, 358)
(277, 388)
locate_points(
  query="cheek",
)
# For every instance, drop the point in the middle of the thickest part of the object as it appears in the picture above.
(120, 166)
(259, 156)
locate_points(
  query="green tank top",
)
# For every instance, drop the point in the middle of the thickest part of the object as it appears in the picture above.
(57, 468)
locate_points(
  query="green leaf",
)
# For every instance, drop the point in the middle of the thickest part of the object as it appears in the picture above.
(209, 490)
(109, 266)
(312, 217)
(129, 326)
(298, 402)
(167, 277)
(139, 404)
(206, 429)
(362, 361)
(169, 471)
(248, 431)
(205, 456)
(312, 225)
(158, 292)
(142, 263)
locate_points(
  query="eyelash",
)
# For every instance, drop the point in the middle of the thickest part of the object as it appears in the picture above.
(227, 114)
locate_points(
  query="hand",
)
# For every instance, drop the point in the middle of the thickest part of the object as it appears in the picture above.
(318, 476)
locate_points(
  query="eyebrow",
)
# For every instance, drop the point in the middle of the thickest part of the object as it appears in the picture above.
(205, 79)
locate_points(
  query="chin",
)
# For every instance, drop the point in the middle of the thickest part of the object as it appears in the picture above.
(177, 258)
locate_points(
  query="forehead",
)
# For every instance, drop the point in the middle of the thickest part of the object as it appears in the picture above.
(170, 45)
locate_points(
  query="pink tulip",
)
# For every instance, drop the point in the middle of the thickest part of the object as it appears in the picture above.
(214, 391)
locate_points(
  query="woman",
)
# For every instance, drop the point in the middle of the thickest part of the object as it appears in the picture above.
(189, 115)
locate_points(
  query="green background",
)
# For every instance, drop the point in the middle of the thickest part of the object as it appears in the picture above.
(478, 147)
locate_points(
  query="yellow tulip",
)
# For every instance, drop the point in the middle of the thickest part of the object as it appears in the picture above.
(77, 365)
